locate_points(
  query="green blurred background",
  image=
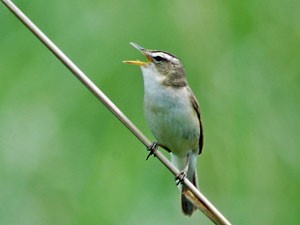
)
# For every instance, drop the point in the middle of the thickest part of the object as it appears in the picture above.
(64, 159)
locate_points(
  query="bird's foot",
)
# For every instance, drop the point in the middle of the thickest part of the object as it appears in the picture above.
(180, 177)
(152, 149)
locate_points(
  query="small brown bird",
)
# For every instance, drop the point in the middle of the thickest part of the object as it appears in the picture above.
(172, 113)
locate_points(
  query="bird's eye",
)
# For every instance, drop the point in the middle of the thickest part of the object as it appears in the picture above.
(158, 58)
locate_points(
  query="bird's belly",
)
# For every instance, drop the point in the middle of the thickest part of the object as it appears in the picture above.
(174, 124)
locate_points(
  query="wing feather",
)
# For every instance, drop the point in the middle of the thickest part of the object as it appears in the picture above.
(197, 110)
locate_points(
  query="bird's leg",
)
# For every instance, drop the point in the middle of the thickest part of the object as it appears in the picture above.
(180, 177)
(152, 149)
(154, 146)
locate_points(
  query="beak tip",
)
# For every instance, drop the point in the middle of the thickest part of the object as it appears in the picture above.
(138, 47)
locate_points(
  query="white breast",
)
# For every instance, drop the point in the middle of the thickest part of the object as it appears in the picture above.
(169, 113)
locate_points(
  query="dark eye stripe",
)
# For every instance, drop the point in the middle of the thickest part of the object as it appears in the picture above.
(159, 58)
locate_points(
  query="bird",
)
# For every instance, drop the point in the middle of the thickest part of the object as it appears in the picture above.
(172, 113)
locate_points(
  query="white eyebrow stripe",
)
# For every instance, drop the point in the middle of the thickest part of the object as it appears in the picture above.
(165, 56)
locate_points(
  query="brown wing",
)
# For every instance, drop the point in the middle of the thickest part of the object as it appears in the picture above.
(197, 110)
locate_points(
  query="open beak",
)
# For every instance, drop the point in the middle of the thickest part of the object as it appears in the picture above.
(138, 62)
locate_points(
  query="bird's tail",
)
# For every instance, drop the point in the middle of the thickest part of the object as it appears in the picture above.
(188, 165)
(187, 207)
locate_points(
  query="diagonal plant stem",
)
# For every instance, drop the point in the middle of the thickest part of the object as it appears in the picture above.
(193, 194)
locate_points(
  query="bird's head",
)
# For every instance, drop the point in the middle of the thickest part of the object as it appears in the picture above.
(161, 64)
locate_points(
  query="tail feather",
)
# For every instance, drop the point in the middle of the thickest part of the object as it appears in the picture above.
(188, 165)
(187, 207)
